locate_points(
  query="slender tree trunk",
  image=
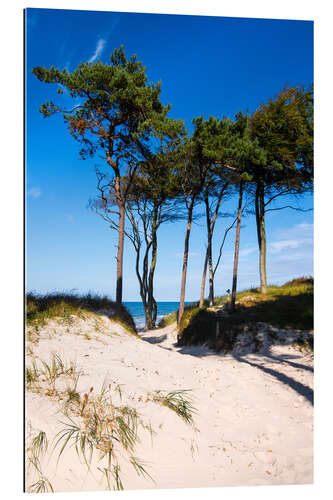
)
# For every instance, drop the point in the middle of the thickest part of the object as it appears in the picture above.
(152, 306)
(203, 281)
(154, 311)
(184, 272)
(263, 274)
(211, 275)
(120, 254)
(261, 232)
(150, 276)
(209, 251)
(143, 291)
(234, 277)
(148, 325)
(208, 257)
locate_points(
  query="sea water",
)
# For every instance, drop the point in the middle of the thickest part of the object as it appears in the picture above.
(136, 310)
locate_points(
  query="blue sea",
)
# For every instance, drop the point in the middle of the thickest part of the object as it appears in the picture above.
(136, 309)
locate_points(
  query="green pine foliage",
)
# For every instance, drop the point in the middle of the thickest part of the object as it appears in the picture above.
(119, 109)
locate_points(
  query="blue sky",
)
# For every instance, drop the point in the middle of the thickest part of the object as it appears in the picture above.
(210, 66)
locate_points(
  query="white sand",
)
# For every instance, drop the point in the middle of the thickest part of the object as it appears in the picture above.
(254, 421)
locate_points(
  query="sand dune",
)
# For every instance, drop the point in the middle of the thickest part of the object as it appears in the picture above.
(254, 419)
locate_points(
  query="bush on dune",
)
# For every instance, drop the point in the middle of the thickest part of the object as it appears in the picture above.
(289, 306)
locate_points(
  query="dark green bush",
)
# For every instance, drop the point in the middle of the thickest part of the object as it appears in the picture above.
(286, 306)
(196, 327)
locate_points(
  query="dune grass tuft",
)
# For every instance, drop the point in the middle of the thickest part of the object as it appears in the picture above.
(106, 428)
(37, 448)
(97, 425)
(46, 373)
(177, 402)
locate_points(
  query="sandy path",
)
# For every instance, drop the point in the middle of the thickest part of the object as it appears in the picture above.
(254, 421)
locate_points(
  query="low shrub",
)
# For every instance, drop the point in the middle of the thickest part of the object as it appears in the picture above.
(197, 326)
(289, 306)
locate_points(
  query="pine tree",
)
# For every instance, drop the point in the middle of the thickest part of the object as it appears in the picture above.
(284, 130)
(118, 113)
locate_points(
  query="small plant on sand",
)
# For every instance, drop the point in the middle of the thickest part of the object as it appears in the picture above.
(31, 374)
(105, 428)
(48, 373)
(29, 351)
(33, 334)
(175, 401)
(97, 425)
(52, 371)
(38, 447)
(72, 395)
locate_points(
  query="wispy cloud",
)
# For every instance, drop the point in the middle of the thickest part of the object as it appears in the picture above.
(302, 230)
(99, 49)
(298, 237)
(279, 246)
(247, 251)
(35, 192)
(190, 254)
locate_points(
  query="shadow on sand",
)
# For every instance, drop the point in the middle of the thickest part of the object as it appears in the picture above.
(154, 340)
(298, 387)
(284, 359)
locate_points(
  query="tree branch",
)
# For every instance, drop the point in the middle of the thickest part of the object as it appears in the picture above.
(289, 206)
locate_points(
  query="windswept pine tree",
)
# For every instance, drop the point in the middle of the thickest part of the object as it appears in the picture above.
(214, 136)
(117, 116)
(192, 169)
(244, 153)
(284, 130)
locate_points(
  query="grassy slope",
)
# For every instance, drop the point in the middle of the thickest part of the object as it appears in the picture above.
(40, 308)
(286, 306)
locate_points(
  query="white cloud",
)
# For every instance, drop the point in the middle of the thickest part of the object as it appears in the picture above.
(247, 251)
(298, 237)
(279, 246)
(99, 49)
(35, 192)
(304, 229)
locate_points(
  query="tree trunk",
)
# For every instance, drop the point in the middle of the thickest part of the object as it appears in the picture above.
(234, 277)
(209, 251)
(152, 306)
(211, 275)
(203, 281)
(263, 275)
(208, 257)
(148, 325)
(185, 259)
(120, 253)
(261, 232)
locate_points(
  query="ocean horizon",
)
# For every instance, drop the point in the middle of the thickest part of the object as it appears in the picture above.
(163, 308)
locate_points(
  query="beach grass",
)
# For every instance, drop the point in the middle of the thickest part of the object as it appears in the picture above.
(67, 306)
